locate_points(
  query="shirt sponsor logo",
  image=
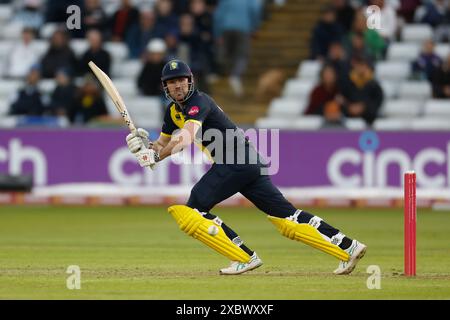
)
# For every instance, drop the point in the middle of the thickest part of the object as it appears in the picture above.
(194, 110)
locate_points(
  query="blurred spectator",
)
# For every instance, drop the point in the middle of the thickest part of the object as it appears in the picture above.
(375, 45)
(22, 56)
(407, 9)
(332, 115)
(88, 103)
(358, 49)
(212, 4)
(93, 17)
(425, 66)
(149, 80)
(265, 9)
(171, 40)
(388, 20)
(363, 95)
(395, 4)
(326, 31)
(180, 7)
(203, 19)
(30, 15)
(234, 23)
(204, 25)
(141, 33)
(28, 100)
(122, 20)
(441, 80)
(190, 50)
(56, 10)
(338, 59)
(442, 30)
(270, 85)
(344, 14)
(166, 20)
(95, 53)
(63, 97)
(59, 55)
(327, 90)
(432, 12)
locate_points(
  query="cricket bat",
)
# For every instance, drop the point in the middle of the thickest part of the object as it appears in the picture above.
(113, 94)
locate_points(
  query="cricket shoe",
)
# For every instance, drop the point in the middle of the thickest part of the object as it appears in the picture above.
(237, 267)
(356, 251)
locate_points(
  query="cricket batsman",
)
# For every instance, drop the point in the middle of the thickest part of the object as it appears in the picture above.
(192, 116)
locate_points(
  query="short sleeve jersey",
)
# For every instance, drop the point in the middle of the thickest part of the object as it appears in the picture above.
(202, 109)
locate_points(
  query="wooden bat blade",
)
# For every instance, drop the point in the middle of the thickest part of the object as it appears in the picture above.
(113, 93)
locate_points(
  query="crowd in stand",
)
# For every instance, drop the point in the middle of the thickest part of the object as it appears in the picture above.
(349, 49)
(213, 36)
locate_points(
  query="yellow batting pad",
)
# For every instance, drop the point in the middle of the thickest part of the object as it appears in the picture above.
(307, 234)
(207, 231)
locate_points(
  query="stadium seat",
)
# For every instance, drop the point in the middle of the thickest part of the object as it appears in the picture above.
(438, 108)
(118, 51)
(390, 88)
(309, 69)
(110, 7)
(430, 124)
(111, 107)
(9, 87)
(280, 108)
(274, 123)
(146, 111)
(442, 50)
(11, 31)
(392, 70)
(145, 106)
(47, 85)
(403, 51)
(415, 90)
(126, 87)
(149, 123)
(355, 124)
(298, 88)
(5, 48)
(402, 108)
(392, 124)
(41, 47)
(6, 11)
(128, 69)
(48, 29)
(310, 122)
(8, 122)
(416, 32)
(139, 107)
(79, 46)
(4, 107)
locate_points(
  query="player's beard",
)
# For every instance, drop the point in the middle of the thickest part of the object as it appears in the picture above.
(179, 95)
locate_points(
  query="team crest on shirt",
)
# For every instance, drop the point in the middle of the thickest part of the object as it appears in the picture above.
(193, 111)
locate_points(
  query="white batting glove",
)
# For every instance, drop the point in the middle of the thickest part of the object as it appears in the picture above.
(147, 157)
(138, 140)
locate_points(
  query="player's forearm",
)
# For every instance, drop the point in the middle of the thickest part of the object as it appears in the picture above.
(174, 146)
(158, 146)
(180, 140)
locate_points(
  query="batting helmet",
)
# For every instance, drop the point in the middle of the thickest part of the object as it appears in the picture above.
(177, 69)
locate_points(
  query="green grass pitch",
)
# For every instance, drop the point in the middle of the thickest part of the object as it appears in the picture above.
(139, 253)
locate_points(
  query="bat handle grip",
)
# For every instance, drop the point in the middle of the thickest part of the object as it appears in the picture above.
(132, 129)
